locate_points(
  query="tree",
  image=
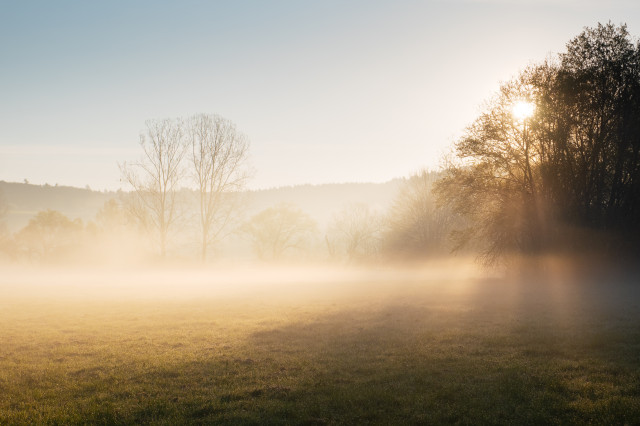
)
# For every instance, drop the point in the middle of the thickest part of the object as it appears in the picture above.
(218, 156)
(49, 235)
(112, 217)
(278, 230)
(524, 182)
(597, 144)
(354, 232)
(417, 226)
(155, 178)
(494, 182)
(115, 236)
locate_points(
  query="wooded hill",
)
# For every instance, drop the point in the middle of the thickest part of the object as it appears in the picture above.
(319, 201)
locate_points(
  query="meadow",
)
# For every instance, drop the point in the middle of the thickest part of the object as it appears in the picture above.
(436, 344)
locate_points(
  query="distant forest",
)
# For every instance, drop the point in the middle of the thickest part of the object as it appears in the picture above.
(23, 200)
(339, 222)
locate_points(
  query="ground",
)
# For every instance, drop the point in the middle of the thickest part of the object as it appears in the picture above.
(443, 345)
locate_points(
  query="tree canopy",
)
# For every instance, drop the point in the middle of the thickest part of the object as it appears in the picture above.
(528, 184)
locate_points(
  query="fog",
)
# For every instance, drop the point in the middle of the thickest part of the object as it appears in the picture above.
(254, 336)
(551, 283)
(501, 289)
(251, 280)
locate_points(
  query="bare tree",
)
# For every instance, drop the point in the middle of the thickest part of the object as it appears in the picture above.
(494, 183)
(417, 226)
(155, 178)
(354, 232)
(218, 160)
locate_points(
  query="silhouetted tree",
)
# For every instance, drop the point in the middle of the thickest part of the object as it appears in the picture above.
(155, 178)
(218, 157)
(280, 229)
(594, 147)
(495, 182)
(522, 182)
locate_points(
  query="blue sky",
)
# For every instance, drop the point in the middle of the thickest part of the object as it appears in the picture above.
(327, 91)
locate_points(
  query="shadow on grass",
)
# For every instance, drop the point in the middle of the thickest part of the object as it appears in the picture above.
(492, 354)
(463, 361)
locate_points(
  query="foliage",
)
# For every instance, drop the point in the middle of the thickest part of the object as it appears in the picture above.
(49, 236)
(279, 230)
(525, 184)
(595, 145)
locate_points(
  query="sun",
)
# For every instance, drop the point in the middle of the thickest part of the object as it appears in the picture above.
(522, 110)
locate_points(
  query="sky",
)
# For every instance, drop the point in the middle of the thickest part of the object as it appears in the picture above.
(326, 91)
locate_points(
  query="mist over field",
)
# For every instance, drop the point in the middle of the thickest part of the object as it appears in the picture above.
(441, 342)
(304, 220)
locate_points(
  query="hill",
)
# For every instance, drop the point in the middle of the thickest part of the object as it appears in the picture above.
(320, 201)
(25, 200)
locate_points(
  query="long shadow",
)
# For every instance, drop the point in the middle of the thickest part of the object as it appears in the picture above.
(467, 359)
(541, 355)
(496, 353)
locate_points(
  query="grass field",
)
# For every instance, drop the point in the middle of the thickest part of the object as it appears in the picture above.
(431, 345)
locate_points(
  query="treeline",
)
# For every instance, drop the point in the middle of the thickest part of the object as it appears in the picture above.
(52, 237)
(412, 227)
(553, 162)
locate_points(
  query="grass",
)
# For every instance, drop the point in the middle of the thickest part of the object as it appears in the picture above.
(376, 348)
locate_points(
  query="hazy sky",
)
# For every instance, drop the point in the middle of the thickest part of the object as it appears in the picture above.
(327, 91)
